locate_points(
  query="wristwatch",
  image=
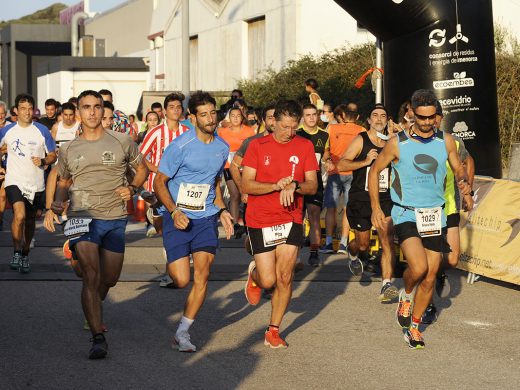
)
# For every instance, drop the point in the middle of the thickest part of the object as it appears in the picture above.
(297, 185)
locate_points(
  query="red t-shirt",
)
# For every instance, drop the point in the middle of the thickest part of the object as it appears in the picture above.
(274, 161)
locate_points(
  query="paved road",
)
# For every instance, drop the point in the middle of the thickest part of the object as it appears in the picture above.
(340, 336)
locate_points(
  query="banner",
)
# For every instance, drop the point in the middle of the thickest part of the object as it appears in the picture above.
(446, 46)
(489, 234)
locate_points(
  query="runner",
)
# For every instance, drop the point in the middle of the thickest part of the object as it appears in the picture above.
(92, 170)
(278, 170)
(51, 110)
(338, 182)
(418, 158)
(188, 185)
(30, 148)
(359, 158)
(234, 135)
(313, 203)
(3, 161)
(153, 146)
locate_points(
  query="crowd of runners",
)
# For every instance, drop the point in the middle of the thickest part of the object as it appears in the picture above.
(284, 167)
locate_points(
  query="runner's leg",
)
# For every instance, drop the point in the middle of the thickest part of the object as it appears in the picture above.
(201, 266)
(285, 261)
(17, 226)
(424, 292)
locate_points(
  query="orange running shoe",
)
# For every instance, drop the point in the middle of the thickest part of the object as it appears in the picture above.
(273, 340)
(66, 251)
(252, 291)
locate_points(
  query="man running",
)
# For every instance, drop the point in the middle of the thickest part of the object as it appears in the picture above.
(313, 203)
(92, 171)
(359, 158)
(418, 157)
(30, 148)
(188, 185)
(278, 170)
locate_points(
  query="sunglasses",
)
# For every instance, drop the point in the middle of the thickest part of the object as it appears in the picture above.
(424, 117)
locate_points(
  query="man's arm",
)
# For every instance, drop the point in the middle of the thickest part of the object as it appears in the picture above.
(252, 187)
(347, 163)
(225, 216)
(456, 165)
(151, 167)
(389, 153)
(234, 169)
(54, 130)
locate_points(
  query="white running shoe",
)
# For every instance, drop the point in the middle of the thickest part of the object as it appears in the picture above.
(182, 342)
(166, 282)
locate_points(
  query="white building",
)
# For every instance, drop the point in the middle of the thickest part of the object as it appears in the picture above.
(235, 39)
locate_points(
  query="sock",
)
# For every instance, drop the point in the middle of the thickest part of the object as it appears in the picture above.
(351, 256)
(328, 240)
(344, 240)
(25, 253)
(408, 297)
(184, 325)
(385, 281)
(416, 322)
(273, 328)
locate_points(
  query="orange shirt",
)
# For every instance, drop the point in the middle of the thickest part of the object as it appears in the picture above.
(234, 139)
(341, 136)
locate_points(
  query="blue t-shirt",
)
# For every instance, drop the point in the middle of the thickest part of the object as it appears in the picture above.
(187, 123)
(193, 167)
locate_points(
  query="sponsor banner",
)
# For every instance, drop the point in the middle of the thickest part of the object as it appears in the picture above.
(489, 234)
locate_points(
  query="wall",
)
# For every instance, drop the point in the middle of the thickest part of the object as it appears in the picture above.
(124, 28)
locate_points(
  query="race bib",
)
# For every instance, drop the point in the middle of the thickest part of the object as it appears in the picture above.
(192, 196)
(275, 235)
(28, 192)
(231, 155)
(76, 226)
(429, 221)
(383, 180)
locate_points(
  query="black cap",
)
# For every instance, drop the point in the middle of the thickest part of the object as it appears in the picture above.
(378, 106)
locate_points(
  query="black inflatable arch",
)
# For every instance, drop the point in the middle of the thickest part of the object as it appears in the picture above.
(446, 46)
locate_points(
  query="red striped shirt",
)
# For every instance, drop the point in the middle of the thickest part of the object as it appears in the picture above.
(154, 143)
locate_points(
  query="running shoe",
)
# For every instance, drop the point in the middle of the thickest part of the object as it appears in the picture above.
(273, 340)
(150, 231)
(16, 261)
(342, 249)
(99, 347)
(404, 311)
(299, 266)
(327, 248)
(166, 282)
(182, 342)
(442, 285)
(388, 293)
(355, 266)
(67, 253)
(86, 326)
(252, 291)
(430, 314)
(371, 266)
(414, 338)
(314, 259)
(24, 268)
(33, 242)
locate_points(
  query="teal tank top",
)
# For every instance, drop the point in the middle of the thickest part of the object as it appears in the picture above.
(418, 178)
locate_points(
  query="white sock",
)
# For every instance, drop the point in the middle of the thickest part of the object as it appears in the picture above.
(328, 240)
(408, 297)
(385, 281)
(344, 240)
(184, 325)
(351, 256)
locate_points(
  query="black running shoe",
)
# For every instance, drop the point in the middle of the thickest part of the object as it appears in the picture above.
(442, 285)
(430, 314)
(314, 259)
(414, 338)
(99, 347)
(404, 311)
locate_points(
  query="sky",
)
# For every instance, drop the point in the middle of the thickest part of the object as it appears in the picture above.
(12, 9)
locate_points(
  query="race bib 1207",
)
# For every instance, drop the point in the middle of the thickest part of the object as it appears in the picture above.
(192, 196)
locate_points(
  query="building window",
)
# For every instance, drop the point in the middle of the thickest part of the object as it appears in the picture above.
(256, 46)
(194, 63)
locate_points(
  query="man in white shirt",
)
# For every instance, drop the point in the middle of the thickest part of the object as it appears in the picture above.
(30, 148)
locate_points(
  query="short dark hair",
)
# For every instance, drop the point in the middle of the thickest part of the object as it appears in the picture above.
(105, 92)
(287, 108)
(402, 110)
(151, 112)
(237, 91)
(51, 102)
(107, 104)
(312, 83)
(73, 100)
(23, 98)
(90, 92)
(68, 106)
(438, 108)
(175, 96)
(131, 116)
(200, 98)
(377, 106)
(270, 106)
(423, 98)
(156, 105)
(307, 106)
